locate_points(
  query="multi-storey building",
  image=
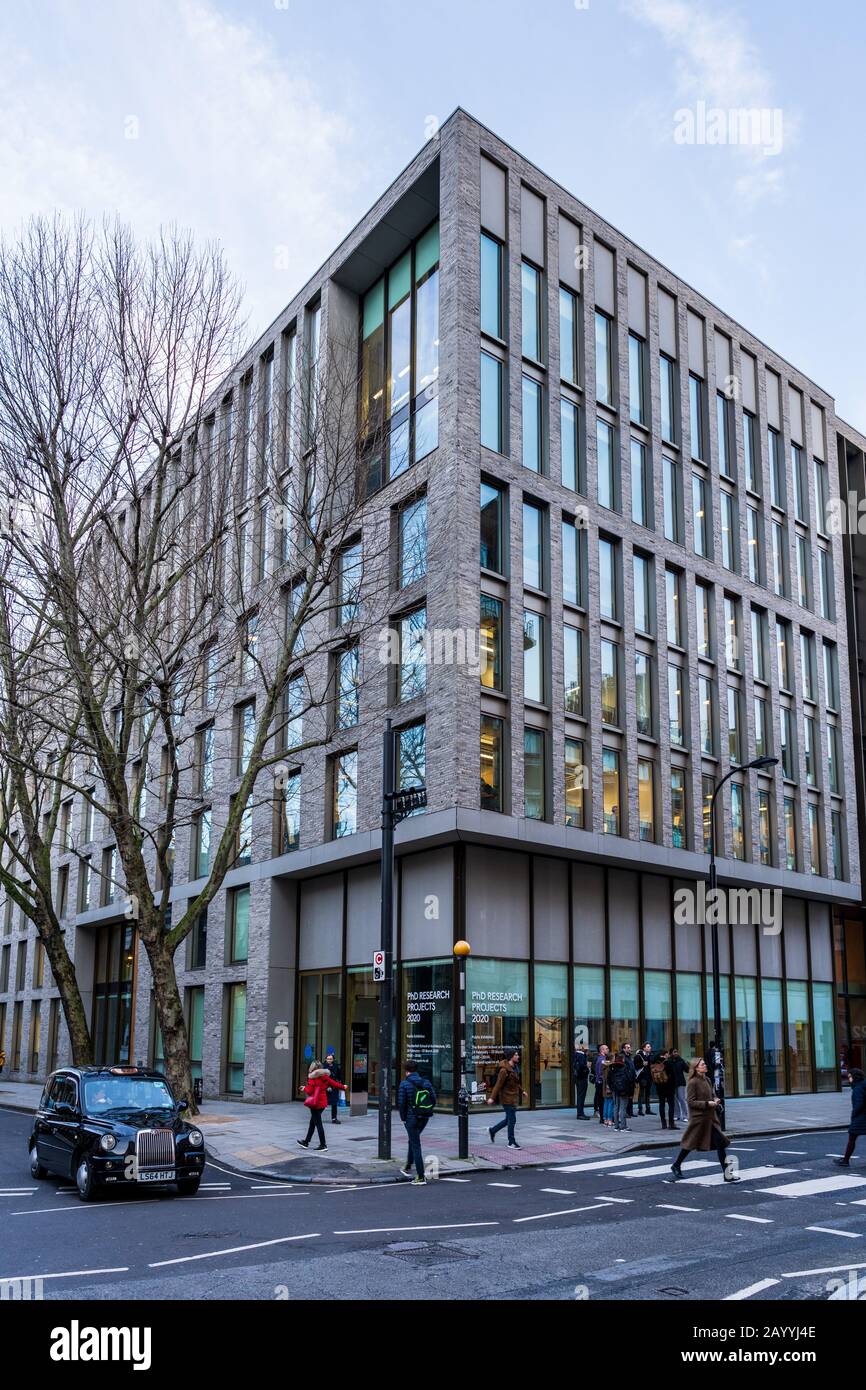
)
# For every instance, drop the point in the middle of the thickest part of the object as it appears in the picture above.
(607, 507)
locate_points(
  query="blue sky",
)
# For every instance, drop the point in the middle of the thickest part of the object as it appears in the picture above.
(272, 125)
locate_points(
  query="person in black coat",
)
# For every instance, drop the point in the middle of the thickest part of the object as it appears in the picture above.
(333, 1095)
(581, 1080)
(621, 1079)
(858, 1114)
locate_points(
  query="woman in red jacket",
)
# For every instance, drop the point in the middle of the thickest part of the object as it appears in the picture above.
(319, 1081)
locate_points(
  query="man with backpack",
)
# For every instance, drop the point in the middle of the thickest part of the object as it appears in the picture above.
(581, 1079)
(416, 1101)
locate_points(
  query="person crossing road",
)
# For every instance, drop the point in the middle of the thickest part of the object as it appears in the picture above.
(703, 1131)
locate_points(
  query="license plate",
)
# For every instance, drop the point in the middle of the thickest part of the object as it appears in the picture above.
(164, 1175)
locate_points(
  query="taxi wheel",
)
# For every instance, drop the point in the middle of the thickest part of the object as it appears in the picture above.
(188, 1187)
(36, 1169)
(84, 1180)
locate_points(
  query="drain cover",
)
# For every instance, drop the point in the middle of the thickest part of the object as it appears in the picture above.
(426, 1252)
(674, 1292)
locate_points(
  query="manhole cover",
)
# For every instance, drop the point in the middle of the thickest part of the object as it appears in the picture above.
(674, 1292)
(426, 1252)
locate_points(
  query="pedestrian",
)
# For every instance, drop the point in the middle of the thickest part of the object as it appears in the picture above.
(335, 1071)
(316, 1093)
(598, 1077)
(663, 1080)
(679, 1069)
(858, 1115)
(643, 1066)
(581, 1080)
(416, 1101)
(627, 1055)
(621, 1082)
(507, 1089)
(703, 1131)
(607, 1093)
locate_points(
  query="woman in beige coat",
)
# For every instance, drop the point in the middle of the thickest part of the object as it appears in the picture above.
(703, 1131)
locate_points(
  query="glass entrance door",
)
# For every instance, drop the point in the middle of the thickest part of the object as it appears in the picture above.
(319, 1019)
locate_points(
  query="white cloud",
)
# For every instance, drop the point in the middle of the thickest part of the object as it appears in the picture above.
(233, 139)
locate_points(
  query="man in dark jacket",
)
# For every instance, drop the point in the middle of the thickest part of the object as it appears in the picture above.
(620, 1079)
(627, 1056)
(581, 1080)
(858, 1114)
(415, 1101)
(333, 1095)
(678, 1067)
(598, 1078)
(643, 1067)
(507, 1089)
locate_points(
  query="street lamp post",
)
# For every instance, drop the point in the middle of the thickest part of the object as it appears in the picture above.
(758, 764)
(461, 951)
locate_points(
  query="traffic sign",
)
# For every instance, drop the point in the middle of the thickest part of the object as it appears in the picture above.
(378, 966)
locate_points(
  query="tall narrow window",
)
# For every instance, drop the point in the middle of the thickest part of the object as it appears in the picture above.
(532, 425)
(667, 387)
(697, 430)
(345, 793)
(492, 528)
(492, 414)
(534, 657)
(572, 563)
(789, 818)
(573, 670)
(730, 530)
(701, 516)
(754, 538)
(646, 799)
(491, 642)
(491, 286)
(811, 750)
(807, 665)
(609, 682)
(751, 454)
(568, 335)
(412, 541)
(611, 819)
(703, 614)
(733, 644)
(575, 774)
(607, 474)
(765, 839)
(774, 463)
(412, 680)
(569, 445)
(531, 306)
(801, 494)
(804, 572)
(636, 379)
(723, 427)
(491, 763)
(678, 808)
(738, 821)
(783, 650)
(819, 471)
(825, 581)
(643, 594)
(350, 571)
(673, 604)
(672, 492)
(641, 491)
(643, 693)
(348, 681)
(608, 579)
(759, 644)
(534, 793)
(735, 750)
(603, 365)
(533, 546)
(831, 676)
(786, 744)
(705, 701)
(676, 723)
(780, 559)
(814, 826)
(762, 728)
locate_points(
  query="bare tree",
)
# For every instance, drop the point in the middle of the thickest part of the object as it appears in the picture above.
(192, 537)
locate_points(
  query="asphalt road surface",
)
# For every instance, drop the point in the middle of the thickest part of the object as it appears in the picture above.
(600, 1228)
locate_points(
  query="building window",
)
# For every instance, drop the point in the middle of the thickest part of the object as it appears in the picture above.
(607, 471)
(572, 563)
(786, 745)
(774, 461)
(678, 809)
(811, 750)
(738, 821)
(348, 679)
(780, 559)
(349, 583)
(610, 821)
(703, 613)
(245, 733)
(838, 844)
(834, 763)
(762, 728)
(643, 594)
(807, 663)
(765, 837)
(249, 649)
(239, 924)
(573, 670)
(294, 701)
(730, 530)
(531, 298)
(603, 363)
(568, 336)
(84, 874)
(575, 776)
(571, 464)
(412, 676)
(759, 644)
(201, 844)
(412, 758)
(673, 606)
(534, 795)
(697, 429)
(723, 427)
(707, 712)
(643, 694)
(804, 572)
(819, 471)
(676, 723)
(831, 676)
(35, 1034)
(701, 516)
(783, 651)
(491, 763)
(733, 644)
(735, 751)
(708, 787)
(491, 642)
(491, 286)
(672, 500)
(492, 412)
(641, 490)
(289, 808)
(825, 580)
(609, 682)
(814, 826)
(608, 579)
(534, 657)
(197, 959)
(236, 1013)
(801, 494)
(534, 568)
(636, 379)
(753, 540)
(533, 435)
(668, 390)
(646, 799)
(244, 838)
(492, 530)
(345, 794)
(751, 453)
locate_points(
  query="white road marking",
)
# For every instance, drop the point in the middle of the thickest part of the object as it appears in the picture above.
(382, 1230)
(147, 1201)
(716, 1179)
(66, 1274)
(569, 1211)
(600, 1163)
(828, 1269)
(752, 1288)
(504, 1184)
(454, 1179)
(627, 1201)
(559, 1191)
(814, 1186)
(759, 1220)
(792, 1151)
(666, 1168)
(16, 1191)
(233, 1250)
(742, 1148)
(207, 1186)
(829, 1231)
(670, 1206)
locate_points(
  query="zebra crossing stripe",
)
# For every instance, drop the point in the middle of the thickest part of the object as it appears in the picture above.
(601, 1163)
(716, 1179)
(815, 1186)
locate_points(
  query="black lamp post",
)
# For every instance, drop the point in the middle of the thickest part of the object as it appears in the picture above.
(759, 765)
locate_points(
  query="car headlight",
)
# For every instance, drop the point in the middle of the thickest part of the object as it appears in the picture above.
(196, 1138)
(107, 1142)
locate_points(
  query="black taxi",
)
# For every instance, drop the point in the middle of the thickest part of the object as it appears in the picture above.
(114, 1126)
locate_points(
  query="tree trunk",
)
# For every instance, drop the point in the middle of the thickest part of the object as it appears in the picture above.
(70, 995)
(169, 1007)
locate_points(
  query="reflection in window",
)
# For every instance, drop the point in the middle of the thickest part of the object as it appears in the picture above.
(492, 414)
(738, 821)
(345, 794)
(533, 546)
(667, 387)
(534, 798)
(573, 670)
(531, 300)
(610, 822)
(603, 365)
(413, 655)
(607, 490)
(491, 763)
(646, 799)
(491, 642)
(492, 535)
(575, 782)
(412, 525)
(533, 657)
(532, 425)
(643, 693)
(609, 682)
(678, 808)
(568, 335)
(491, 286)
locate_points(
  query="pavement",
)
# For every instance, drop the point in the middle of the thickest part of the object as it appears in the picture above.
(262, 1139)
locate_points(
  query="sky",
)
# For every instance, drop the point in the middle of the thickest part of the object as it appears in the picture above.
(272, 125)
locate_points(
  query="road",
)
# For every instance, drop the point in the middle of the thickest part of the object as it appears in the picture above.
(601, 1228)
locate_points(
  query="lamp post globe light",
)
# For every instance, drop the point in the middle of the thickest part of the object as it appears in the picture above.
(462, 949)
(718, 1069)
